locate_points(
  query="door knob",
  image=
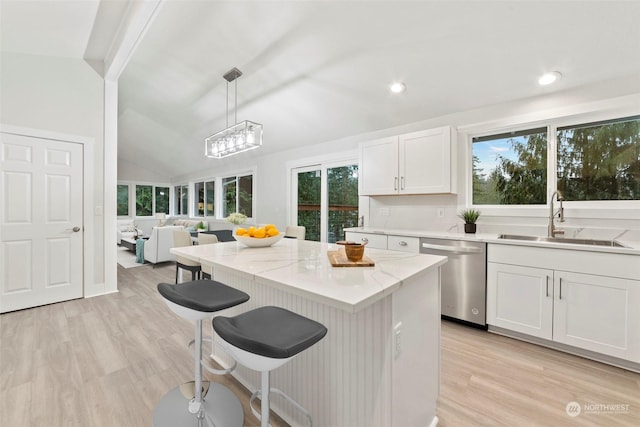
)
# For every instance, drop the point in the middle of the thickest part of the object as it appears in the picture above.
(74, 229)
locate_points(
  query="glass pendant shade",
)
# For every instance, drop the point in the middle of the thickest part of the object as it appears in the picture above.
(235, 139)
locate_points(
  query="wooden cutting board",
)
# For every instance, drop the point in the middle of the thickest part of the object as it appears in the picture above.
(339, 259)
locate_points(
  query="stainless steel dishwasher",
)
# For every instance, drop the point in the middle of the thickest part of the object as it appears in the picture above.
(463, 278)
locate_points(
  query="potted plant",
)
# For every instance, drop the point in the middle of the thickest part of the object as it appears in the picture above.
(201, 226)
(469, 216)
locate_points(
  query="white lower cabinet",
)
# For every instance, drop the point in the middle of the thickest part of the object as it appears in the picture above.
(593, 312)
(377, 241)
(382, 241)
(520, 299)
(403, 244)
(597, 313)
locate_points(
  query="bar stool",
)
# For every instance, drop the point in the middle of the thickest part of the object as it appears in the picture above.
(181, 406)
(265, 339)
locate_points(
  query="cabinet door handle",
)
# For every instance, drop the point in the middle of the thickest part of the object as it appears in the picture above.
(547, 286)
(402, 182)
(560, 295)
(402, 243)
(395, 183)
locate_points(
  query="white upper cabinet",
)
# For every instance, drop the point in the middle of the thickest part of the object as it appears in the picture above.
(379, 167)
(415, 163)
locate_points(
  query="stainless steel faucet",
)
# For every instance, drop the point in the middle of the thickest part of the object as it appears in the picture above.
(551, 230)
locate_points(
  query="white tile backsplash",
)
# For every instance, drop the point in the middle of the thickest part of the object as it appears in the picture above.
(439, 213)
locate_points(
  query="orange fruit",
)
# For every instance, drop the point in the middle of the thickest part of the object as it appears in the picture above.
(251, 231)
(272, 232)
(241, 231)
(260, 233)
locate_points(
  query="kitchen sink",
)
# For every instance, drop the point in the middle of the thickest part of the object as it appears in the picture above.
(593, 242)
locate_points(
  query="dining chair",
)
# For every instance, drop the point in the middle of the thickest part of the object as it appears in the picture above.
(182, 238)
(295, 232)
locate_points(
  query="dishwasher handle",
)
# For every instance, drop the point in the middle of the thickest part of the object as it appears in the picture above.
(452, 249)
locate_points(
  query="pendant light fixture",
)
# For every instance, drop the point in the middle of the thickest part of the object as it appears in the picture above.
(240, 137)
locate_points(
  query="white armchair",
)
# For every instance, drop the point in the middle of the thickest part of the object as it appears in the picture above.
(156, 249)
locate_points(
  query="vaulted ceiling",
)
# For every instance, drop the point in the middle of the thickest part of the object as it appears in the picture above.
(317, 71)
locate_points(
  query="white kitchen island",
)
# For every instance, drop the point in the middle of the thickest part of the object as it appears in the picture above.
(379, 362)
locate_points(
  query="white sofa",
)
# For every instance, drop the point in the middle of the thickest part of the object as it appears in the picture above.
(191, 224)
(126, 228)
(156, 249)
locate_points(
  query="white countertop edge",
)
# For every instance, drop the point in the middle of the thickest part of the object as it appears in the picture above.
(633, 247)
(350, 308)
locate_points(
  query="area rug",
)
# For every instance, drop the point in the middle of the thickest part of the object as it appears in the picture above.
(127, 258)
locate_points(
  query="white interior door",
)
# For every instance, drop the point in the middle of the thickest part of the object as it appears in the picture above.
(41, 226)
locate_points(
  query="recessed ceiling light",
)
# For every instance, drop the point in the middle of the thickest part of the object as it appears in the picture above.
(397, 87)
(548, 78)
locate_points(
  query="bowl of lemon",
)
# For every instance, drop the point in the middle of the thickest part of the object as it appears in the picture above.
(258, 237)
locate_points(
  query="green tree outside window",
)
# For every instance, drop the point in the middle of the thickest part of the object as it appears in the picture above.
(600, 161)
(162, 200)
(144, 200)
(123, 200)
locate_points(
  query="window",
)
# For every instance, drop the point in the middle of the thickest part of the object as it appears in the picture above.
(123, 200)
(181, 200)
(308, 200)
(198, 200)
(325, 207)
(162, 200)
(238, 195)
(144, 200)
(204, 198)
(342, 192)
(600, 161)
(209, 198)
(510, 168)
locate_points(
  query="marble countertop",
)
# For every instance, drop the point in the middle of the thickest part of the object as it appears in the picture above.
(632, 246)
(302, 267)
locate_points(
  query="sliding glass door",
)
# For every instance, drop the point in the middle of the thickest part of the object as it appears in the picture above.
(325, 200)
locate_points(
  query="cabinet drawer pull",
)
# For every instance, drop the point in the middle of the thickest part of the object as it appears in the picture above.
(395, 183)
(560, 295)
(547, 286)
(402, 243)
(365, 240)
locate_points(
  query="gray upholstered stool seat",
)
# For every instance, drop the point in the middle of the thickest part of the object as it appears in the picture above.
(270, 331)
(264, 339)
(206, 296)
(214, 405)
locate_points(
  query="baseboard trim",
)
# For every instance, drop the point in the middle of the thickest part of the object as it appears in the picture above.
(598, 357)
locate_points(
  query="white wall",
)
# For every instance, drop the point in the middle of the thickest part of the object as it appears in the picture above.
(61, 95)
(128, 171)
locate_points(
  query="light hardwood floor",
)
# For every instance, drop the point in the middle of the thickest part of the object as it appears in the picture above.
(106, 361)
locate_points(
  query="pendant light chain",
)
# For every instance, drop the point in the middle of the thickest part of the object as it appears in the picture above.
(227, 116)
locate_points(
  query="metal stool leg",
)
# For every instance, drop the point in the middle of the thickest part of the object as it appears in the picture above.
(222, 407)
(264, 400)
